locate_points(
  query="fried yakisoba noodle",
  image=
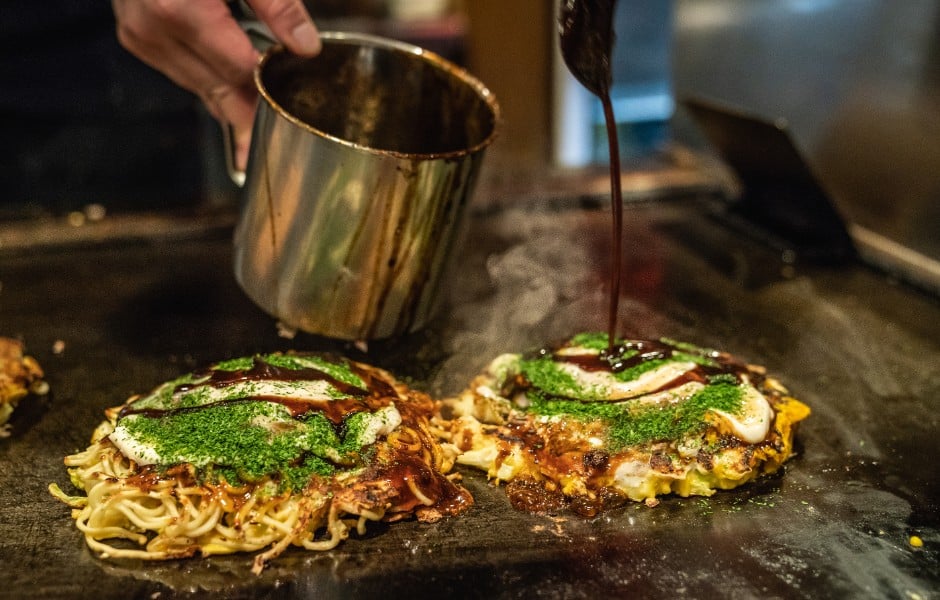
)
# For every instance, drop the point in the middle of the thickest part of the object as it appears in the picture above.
(258, 454)
(20, 375)
(579, 426)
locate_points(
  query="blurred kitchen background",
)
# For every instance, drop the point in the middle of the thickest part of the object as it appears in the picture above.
(90, 133)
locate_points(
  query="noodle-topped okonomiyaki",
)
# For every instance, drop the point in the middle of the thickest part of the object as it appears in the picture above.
(260, 453)
(581, 426)
(20, 376)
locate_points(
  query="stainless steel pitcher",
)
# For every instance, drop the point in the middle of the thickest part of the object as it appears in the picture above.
(361, 166)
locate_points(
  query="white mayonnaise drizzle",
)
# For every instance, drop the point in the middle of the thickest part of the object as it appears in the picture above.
(381, 422)
(750, 423)
(605, 382)
(134, 449)
(293, 390)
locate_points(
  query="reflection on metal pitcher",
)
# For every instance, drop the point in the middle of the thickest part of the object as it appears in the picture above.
(362, 164)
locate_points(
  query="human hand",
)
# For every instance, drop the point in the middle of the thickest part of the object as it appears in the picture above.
(199, 45)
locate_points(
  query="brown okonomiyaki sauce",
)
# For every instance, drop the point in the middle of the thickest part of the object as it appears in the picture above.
(411, 482)
(377, 393)
(586, 37)
(542, 496)
(617, 230)
(406, 472)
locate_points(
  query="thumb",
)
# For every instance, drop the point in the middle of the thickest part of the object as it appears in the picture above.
(290, 23)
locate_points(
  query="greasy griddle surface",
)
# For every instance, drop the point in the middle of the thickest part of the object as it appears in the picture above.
(862, 352)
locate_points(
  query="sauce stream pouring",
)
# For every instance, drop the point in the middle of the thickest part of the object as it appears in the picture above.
(587, 37)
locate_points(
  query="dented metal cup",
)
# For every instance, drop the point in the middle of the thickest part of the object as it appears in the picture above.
(361, 167)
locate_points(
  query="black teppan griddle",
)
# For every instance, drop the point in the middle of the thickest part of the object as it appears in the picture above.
(859, 349)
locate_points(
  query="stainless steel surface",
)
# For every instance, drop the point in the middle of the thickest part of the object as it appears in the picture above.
(861, 351)
(362, 163)
(858, 81)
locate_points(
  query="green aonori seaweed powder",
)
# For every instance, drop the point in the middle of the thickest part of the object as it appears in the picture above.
(554, 389)
(250, 418)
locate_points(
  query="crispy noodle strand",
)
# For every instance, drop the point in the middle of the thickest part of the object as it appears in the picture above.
(168, 515)
(172, 518)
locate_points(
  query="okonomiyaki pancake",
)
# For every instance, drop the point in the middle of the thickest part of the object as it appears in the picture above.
(581, 426)
(20, 376)
(258, 454)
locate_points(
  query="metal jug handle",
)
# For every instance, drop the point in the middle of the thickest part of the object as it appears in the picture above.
(228, 142)
(262, 39)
